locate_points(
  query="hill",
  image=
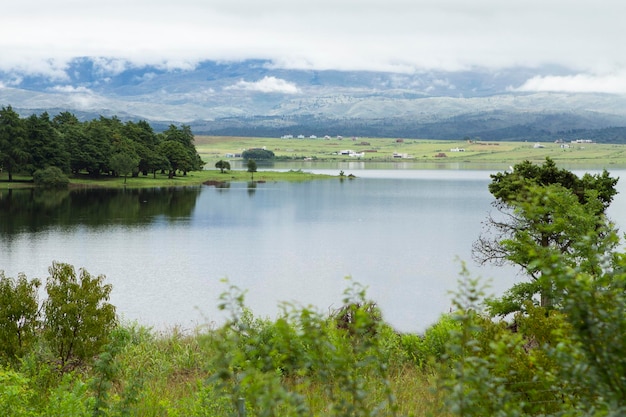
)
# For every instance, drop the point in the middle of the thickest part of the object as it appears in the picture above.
(254, 98)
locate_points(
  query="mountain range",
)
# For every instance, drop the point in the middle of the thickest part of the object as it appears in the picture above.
(255, 98)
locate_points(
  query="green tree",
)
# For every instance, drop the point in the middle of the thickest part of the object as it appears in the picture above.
(75, 139)
(222, 165)
(177, 156)
(185, 137)
(78, 317)
(252, 167)
(557, 363)
(45, 145)
(145, 143)
(94, 147)
(123, 164)
(541, 210)
(19, 313)
(593, 363)
(509, 186)
(13, 154)
(257, 153)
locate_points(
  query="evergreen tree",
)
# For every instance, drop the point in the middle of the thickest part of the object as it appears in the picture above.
(13, 153)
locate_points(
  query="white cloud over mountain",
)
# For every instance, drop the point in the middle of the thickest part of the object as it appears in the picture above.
(580, 83)
(266, 85)
(403, 36)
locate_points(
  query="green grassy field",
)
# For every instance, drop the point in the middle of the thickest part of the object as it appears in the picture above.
(197, 178)
(423, 151)
(418, 153)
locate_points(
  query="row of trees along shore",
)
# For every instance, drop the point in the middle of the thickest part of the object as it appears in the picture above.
(104, 146)
(552, 345)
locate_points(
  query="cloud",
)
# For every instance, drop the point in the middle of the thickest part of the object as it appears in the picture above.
(68, 89)
(580, 83)
(266, 85)
(402, 36)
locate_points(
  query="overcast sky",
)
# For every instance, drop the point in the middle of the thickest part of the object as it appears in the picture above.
(587, 36)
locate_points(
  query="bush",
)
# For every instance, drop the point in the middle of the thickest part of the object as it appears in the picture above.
(437, 337)
(78, 319)
(18, 315)
(15, 395)
(51, 177)
(257, 154)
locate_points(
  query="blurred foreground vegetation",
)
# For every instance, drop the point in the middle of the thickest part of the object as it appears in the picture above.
(305, 363)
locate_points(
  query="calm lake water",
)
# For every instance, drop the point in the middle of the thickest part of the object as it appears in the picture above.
(401, 233)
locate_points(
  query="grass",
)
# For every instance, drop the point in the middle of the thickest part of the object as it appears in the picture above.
(419, 152)
(195, 178)
(174, 369)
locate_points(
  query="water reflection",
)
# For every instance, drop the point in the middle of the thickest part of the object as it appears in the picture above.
(34, 210)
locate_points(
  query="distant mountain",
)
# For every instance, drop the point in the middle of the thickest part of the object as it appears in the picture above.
(255, 98)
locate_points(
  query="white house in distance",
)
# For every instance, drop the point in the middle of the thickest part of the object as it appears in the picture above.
(400, 155)
(351, 153)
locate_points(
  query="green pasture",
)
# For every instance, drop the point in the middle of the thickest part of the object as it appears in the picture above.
(419, 151)
(194, 178)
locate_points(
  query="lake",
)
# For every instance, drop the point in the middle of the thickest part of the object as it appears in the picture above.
(401, 233)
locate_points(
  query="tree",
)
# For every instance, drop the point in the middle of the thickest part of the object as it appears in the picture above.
(78, 317)
(75, 139)
(13, 154)
(257, 153)
(185, 137)
(19, 312)
(95, 150)
(509, 186)
(145, 142)
(176, 155)
(123, 164)
(543, 210)
(252, 167)
(45, 145)
(564, 363)
(222, 165)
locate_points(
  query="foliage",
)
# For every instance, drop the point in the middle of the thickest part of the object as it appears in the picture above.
(106, 370)
(495, 371)
(51, 177)
(544, 210)
(257, 153)
(256, 359)
(437, 337)
(252, 167)
(123, 164)
(70, 398)
(19, 311)
(567, 362)
(593, 362)
(78, 318)
(222, 165)
(44, 144)
(15, 395)
(177, 156)
(13, 149)
(104, 146)
(349, 363)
